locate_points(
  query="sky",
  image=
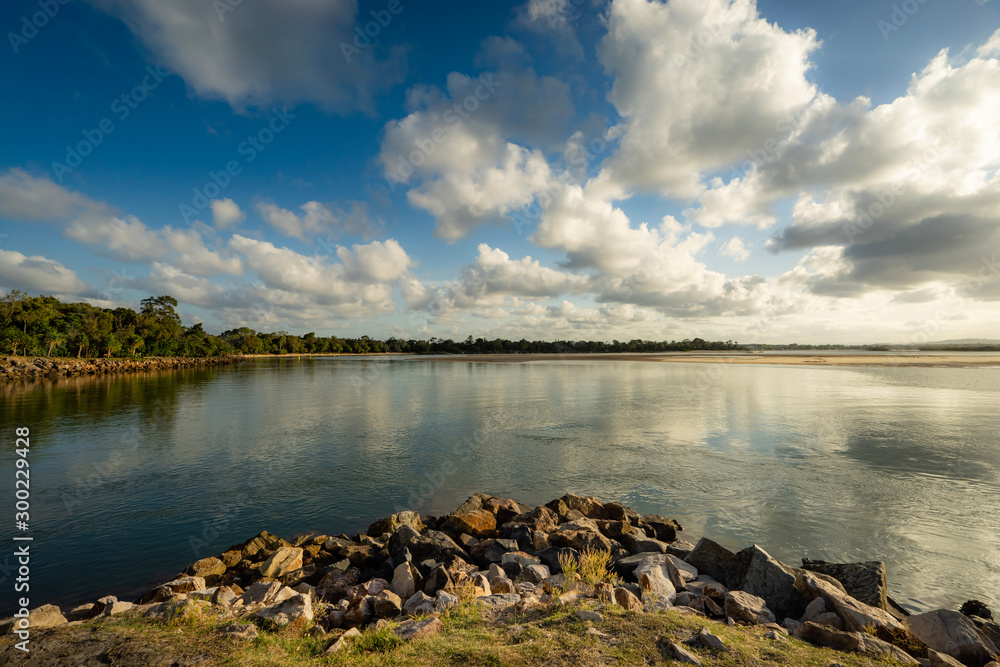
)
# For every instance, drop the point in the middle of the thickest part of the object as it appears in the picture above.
(767, 171)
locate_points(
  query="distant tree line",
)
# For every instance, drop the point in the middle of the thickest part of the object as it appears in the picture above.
(45, 326)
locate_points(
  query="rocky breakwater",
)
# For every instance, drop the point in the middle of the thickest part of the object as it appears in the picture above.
(27, 368)
(405, 570)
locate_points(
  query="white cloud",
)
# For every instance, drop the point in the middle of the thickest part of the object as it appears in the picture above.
(37, 274)
(736, 249)
(29, 198)
(264, 51)
(317, 218)
(697, 83)
(226, 214)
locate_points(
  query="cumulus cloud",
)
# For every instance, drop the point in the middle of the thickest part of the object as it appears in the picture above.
(317, 219)
(30, 198)
(461, 154)
(736, 249)
(697, 83)
(257, 53)
(37, 274)
(226, 214)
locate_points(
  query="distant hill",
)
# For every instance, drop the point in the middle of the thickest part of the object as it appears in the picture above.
(967, 341)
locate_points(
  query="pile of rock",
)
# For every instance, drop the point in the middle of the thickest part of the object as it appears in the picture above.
(508, 555)
(15, 368)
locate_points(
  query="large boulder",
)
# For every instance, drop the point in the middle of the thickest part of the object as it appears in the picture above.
(663, 529)
(540, 518)
(337, 583)
(405, 580)
(433, 545)
(711, 558)
(654, 578)
(865, 582)
(953, 634)
(389, 524)
(479, 523)
(588, 506)
(296, 609)
(756, 572)
(210, 569)
(743, 607)
(281, 562)
(504, 509)
(856, 615)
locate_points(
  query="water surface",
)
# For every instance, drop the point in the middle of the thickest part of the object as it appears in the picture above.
(133, 477)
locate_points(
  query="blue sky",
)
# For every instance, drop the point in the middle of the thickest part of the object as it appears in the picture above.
(592, 119)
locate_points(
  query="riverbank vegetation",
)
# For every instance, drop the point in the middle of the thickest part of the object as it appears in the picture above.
(44, 326)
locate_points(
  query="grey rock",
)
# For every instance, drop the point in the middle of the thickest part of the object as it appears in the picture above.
(418, 603)
(586, 615)
(708, 640)
(712, 558)
(291, 610)
(953, 634)
(681, 654)
(756, 572)
(862, 581)
(244, 631)
(746, 608)
(417, 629)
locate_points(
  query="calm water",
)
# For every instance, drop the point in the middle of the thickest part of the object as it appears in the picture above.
(134, 477)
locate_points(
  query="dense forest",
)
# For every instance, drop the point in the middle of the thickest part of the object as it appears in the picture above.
(45, 326)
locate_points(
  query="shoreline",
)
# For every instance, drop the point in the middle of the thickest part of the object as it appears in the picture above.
(923, 360)
(52, 368)
(500, 562)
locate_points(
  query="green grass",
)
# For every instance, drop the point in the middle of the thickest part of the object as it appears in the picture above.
(550, 637)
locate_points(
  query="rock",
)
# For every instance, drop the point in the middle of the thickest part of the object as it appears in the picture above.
(540, 518)
(520, 557)
(865, 582)
(588, 506)
(360, 612)
(419, 629)
(303, 589)
(438, 579)
(991, 630)
(492, 550)
(814, 609)
(756, 572)
(746, 608)
(880, 650)
(343, 641)
(244, 631)
(262, 592)
(479, 523)
(390, 523)
(707, 606)
(480, 586)
(664, 529)
(828, 637)
(296, 609)
(942, 659)
(117, 607)
(774, 635)
(534, 574)
(615, 530)
(210, 569)
(502, 585)
(681, 654)
(81, 612)
(855, 615)
(680, 572)
(581, 540)
(171, 588)
(680, 548)
(296, 577)
(504, 509)
(337, 583)
(263, 540)
(418, 603)
(627, 600)
(405, 579)
(790, 624)
(388, 604)
(445, 601)
(586, 615)
(654, 578)
(708, 640)
(712, 558)
(976, 608)
(433, 545)
(830, 620)
(550, 557)
(499, 602)
(204, 594)
(952, 633)
(40, 618)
